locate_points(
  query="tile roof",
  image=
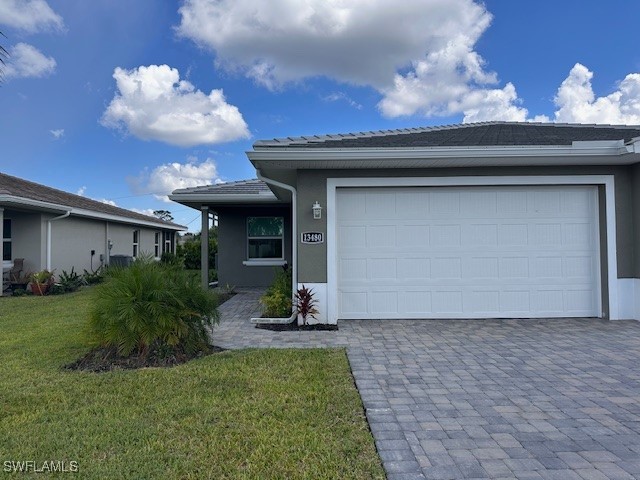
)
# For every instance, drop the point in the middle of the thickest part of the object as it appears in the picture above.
(19, 187)
(463, 135)
(241, 187)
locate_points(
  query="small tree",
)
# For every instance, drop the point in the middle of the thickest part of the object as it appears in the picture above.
(190, 250)
(163, 215)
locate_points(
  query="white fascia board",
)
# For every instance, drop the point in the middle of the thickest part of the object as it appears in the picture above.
(52, 207)
(27, 202)
(120, 219)
(580, 149)
(224, 198)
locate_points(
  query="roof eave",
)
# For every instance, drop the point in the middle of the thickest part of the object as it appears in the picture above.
(223, 199)
(56, 208)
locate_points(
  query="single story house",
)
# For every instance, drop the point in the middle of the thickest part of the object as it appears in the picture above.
(485, 220)
(56, 230)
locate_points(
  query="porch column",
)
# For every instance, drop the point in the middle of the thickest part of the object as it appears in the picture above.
(204, 247)
(2, 250)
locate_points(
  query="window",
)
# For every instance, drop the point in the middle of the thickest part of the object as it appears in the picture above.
(167, 242)
(6, 239)
(156, 245)
(265, 238)
(136, 242)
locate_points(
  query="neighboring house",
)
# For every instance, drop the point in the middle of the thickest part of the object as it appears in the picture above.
(487, 220)
(55, 230)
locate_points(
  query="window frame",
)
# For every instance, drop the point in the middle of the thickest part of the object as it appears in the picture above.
(136, 243)
(167, 242)
(7, 239)
(156, 244)
(265, 237)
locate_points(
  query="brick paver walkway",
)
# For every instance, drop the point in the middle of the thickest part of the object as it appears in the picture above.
(526, 399)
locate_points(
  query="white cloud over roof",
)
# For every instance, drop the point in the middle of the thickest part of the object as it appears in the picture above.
(420, 55)
(577, 102)
(152, 103)
(164, 179)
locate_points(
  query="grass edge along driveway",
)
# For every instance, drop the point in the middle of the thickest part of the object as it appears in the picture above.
(238, 414)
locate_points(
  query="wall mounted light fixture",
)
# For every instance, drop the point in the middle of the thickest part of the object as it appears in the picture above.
(317, 211)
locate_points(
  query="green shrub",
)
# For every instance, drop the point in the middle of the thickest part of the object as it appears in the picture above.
(94, 277)
(67, 282)
(276, 301)
(152, 305)
(170, 258)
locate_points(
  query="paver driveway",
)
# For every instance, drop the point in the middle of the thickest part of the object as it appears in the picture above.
(525, 399)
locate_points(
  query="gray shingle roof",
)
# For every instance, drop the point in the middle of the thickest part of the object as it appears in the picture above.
(241, 187)
(21, 188)
(464, 135)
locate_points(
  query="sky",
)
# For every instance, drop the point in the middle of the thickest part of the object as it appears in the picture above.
(124, 101)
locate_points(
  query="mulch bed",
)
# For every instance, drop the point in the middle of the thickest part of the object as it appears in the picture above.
(106, 359)
(294, 327)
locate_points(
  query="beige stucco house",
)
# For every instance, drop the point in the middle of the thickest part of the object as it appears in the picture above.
(56, 230)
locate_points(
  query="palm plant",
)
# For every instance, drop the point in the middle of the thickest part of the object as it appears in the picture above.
(152, 305)
(4, 54)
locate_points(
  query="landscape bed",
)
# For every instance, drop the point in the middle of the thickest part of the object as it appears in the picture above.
(235, 414)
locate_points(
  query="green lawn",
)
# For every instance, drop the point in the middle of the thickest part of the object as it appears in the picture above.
(241, 414)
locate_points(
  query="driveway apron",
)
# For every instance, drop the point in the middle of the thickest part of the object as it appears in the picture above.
(454, 399)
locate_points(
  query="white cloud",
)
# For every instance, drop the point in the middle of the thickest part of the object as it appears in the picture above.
(427, 67)
(577, 103)
(81, 190)
(349, 40)
(108, 202)
(143, 211)
(57, 133)
(29, 15)
(162, 180)
(152, 103)
(341, 96)
(27, 61)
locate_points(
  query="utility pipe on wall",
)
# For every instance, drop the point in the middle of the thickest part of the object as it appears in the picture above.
(294, 230)
(65, 215)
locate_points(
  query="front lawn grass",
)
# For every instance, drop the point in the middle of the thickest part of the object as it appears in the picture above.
(237, 414)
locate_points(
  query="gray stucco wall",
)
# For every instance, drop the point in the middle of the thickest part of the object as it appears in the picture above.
(232, 245)
(311, 184)
(73, 239)
(27, 240)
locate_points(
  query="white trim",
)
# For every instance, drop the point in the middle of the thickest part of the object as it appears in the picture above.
(629, 307)
(223, 198)
(264, 263)
(580, 149)
(84, 213)
(606, 180)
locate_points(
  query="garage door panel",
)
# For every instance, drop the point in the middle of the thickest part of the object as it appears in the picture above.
(467, 252)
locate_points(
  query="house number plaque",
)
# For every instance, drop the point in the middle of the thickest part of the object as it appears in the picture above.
(312, 237)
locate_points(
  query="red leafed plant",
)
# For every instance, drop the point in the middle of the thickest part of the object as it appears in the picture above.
(306, 304)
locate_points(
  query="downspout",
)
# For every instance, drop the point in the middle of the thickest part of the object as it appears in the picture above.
(294, 229)
(65, 215)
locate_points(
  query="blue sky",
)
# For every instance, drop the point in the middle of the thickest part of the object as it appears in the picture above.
(123, 101)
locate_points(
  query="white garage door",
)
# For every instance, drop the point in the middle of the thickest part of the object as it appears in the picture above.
(468, 252)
